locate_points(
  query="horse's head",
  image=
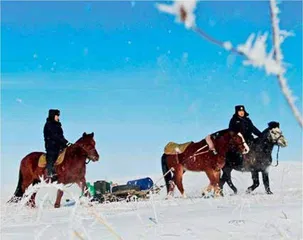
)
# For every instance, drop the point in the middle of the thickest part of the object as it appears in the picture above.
(274, 134)
(237, 142)
(87, 143)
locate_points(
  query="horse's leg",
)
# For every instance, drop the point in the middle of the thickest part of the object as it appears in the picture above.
(226, 177)
(217, 188)
(212, 182)
(27, 181)
(178, 173)
(223, 178)
(256, 183)
(266, 182)
(58, 199)
(32, 201)
(83, 187)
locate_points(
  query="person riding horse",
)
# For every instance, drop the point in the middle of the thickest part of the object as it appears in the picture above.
(54, 140)
(240, 122)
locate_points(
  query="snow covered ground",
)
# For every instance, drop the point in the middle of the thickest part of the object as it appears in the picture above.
(254, 216)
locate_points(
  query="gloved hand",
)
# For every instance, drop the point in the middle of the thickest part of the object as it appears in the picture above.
(69, 144)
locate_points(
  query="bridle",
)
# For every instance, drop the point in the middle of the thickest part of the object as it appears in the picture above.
(87, 151)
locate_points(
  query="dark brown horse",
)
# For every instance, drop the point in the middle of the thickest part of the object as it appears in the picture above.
(197, 157)
(71, 170)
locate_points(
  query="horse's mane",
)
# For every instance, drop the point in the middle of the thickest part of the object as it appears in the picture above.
(259, 140)
(219, 133)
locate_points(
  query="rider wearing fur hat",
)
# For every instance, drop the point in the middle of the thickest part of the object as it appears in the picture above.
(54, 140)
(240, 122)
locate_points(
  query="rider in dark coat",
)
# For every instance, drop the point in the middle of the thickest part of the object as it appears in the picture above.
(240, 122)
(54, 140)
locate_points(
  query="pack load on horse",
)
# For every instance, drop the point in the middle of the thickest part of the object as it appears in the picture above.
(70, 167)
(200, 156)
(259, 158)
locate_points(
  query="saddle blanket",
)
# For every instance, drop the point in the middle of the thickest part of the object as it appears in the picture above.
(42, 159)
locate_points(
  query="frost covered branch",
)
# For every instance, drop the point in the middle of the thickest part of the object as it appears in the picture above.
(254, 50)
(276, 32)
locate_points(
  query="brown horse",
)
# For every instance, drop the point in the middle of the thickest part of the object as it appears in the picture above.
(71, 170)
(196, 156)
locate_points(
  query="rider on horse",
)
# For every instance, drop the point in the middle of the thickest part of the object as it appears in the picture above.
(240, 122)
(54, 140)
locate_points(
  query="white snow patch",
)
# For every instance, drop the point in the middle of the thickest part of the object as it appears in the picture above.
(242, 216)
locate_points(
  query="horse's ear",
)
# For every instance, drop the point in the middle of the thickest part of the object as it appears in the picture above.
(84, 134)
(92, 134)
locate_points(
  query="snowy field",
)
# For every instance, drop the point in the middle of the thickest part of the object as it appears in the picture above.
(255, 216)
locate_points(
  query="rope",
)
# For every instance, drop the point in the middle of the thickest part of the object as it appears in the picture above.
(163, 176)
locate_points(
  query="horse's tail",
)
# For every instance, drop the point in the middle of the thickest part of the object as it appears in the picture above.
(18, 192)
(165, 169)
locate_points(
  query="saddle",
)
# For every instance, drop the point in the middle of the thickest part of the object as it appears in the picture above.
(42, 159)
(176, 148)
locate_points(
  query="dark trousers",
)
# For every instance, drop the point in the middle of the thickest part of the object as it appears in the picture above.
(51, 157)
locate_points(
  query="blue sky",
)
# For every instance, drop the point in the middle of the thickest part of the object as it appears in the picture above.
(136, 78)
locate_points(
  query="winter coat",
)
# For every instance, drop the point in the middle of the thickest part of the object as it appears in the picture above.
(53, 136)
(245, 126)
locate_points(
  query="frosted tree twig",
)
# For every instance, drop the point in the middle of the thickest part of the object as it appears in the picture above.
(274, 10)
(254, 51)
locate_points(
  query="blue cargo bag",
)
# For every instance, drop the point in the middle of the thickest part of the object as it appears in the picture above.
(143, 183)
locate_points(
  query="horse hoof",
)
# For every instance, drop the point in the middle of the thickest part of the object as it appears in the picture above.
(248, 191)
(184, 195)
(57, 205)
(31, 205)
(168, 197)
(269, 192)
(219, 194)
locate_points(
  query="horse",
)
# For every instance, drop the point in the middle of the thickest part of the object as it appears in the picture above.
(72, 169)
(257, 160)
(192, 158)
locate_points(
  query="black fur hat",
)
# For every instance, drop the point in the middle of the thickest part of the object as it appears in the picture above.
(273, 124)
(52, 113)
(239, 108)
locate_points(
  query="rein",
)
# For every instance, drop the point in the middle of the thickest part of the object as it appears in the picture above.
(277, 158)
(196, 153)
(86, 162)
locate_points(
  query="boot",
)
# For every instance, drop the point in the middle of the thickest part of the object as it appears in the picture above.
(51, 172)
